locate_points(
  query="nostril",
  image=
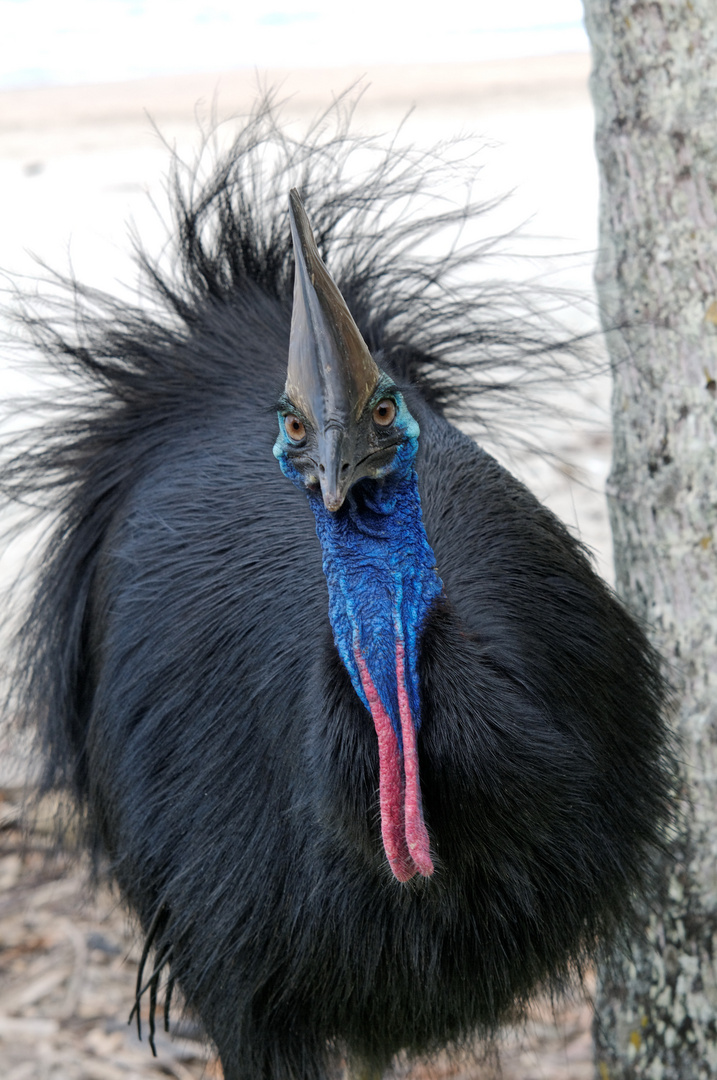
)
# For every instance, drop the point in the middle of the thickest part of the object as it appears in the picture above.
(322, 469)
(344, 467)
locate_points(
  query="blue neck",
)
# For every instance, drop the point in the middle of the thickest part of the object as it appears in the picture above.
(382, 580)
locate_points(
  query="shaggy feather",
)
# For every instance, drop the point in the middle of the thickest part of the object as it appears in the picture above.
(177, 659)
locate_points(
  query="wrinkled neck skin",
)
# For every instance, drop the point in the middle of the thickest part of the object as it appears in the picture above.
(382, 582)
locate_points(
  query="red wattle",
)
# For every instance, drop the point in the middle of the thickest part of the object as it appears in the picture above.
(404, 834)
(416, 831)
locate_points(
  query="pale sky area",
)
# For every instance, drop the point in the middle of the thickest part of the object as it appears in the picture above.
(49, 42)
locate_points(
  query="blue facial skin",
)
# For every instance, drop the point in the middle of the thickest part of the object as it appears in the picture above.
(379, 566)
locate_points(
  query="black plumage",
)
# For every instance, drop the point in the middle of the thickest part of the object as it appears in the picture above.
(178, 660)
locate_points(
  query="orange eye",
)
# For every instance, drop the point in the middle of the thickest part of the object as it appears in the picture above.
(385, 412)
(294, 428)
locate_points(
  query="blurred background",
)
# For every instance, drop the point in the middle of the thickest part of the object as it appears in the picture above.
(89, 41)
(93, 93)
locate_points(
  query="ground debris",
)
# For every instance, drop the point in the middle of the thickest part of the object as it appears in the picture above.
(68, 966)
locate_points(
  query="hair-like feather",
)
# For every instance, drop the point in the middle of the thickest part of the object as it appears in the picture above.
(177, 661)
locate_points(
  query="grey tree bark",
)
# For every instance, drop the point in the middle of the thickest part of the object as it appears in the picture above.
(654, 87)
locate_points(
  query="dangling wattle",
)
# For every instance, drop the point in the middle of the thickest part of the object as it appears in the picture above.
(403, 830)
(382, 581)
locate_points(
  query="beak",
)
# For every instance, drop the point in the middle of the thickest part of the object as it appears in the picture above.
(335, 470)
(331, 374)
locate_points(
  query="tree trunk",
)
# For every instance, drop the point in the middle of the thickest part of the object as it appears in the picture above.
(654, 86)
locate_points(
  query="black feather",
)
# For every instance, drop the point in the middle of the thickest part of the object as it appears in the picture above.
(177, 659)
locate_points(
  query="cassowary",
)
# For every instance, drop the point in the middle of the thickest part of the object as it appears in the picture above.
(370, 750)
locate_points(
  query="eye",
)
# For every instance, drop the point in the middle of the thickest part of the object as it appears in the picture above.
(385, 412)
(295, 428)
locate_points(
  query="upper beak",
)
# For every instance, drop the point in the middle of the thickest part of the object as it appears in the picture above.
(334, 466)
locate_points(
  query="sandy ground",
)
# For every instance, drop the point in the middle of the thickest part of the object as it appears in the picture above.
(76, 163)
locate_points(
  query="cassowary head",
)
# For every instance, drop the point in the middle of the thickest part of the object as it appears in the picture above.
(347, 438)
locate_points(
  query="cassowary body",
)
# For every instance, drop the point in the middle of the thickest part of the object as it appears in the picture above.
(372, 755)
